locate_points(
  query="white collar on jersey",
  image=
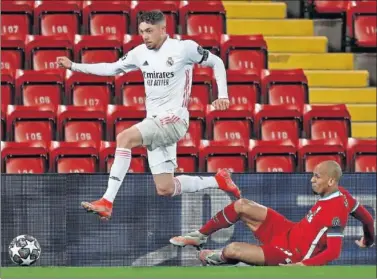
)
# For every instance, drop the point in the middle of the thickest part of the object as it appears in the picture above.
(331, 196)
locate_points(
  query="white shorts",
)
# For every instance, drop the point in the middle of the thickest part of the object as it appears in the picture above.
(160, 135)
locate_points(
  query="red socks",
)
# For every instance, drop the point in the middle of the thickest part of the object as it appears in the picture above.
(223, 219)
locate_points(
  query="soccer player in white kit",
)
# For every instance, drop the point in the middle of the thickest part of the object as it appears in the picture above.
(166, 65)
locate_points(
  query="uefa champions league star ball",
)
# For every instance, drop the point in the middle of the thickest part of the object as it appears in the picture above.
(24, 250)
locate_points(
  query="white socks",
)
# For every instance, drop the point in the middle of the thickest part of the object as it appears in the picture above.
(118, 172)
(190, 184)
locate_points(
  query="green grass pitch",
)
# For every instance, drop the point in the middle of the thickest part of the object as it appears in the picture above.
(190, 272)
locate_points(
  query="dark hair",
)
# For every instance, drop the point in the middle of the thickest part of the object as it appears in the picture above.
(151, 17)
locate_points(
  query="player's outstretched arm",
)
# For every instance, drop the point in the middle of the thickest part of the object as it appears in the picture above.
(99, 69)
(331, 253)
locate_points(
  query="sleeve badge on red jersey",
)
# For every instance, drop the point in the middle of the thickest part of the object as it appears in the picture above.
(335, 222)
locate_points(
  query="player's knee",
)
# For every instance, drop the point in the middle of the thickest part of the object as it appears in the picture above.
(165, 189)
(125, 139)
(232, 251)
(241, 204)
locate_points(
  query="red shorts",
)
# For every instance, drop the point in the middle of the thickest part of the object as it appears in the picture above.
(273, 233)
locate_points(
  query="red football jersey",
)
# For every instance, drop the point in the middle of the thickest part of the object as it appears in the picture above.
(327, 218)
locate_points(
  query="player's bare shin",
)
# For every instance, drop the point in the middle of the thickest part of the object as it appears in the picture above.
(243, 252)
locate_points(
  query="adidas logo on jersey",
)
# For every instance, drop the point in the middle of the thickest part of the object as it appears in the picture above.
(146, 63)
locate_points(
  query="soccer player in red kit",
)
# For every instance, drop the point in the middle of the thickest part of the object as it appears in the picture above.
(315, 240)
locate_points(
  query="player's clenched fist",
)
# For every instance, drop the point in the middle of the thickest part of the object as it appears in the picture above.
(221, 104)
(64, 62)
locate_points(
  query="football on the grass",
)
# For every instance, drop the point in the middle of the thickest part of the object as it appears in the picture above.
(24, 250)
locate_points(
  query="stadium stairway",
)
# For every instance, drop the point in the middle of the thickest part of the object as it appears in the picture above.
(292, 44)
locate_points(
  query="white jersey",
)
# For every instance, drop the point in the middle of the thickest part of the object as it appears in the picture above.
(167, 72)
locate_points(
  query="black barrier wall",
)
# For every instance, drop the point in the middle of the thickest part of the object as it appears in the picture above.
(48, 207)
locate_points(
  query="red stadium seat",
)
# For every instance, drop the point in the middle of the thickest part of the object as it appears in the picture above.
(29, 3)
(312, 152)
(130, 42)
(30, 123)
(57, 18)
(107, 18)
(3, 122)
(277, 122)
(34, 88)
(199, 17)
(120, 118)
(361, 24)
(201, 92)
(42, 51)
(130, 90)
(81, 123)
(7, 88)
(244, 51)
(24, 157)
(326, 8)
(97, 49)
(207, 41)
(88, 90)
(232, 125)
(327, 121)
(16, 19)
(170, 11)
(362, 155)
(12, 53)
(244, 87)
(285, 87)
(106, 154)
(272, 156)
(188, 148)
(73, 157)
(215, 155)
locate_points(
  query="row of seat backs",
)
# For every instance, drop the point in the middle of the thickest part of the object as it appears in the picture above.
(258, 156)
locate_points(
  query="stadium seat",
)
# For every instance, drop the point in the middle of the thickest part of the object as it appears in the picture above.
(244, 87)
(57, 18)
(272, 156)
(16, 19)
(232, 125)
(327, 121)
(198, 17)
(188, 148)
(312, 152)
(328, 8)
(107, 152)
(201, 92)
(285, 87)
(29, 3)
(3, 122)
(97, 49)
(107, 18)
(42, 51)
(361, 25)
(7, 88)
(12, 53)
(170, 11)
(215, 155)
(73, 157)
(362, 155)
(277, 122)
(130, 90)
(30, 123)
(24, 157)
(88, 90)
(130, 42)
(34, 88)
(82, 123)
(120, 118)
(244, 51)
(210, 42)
